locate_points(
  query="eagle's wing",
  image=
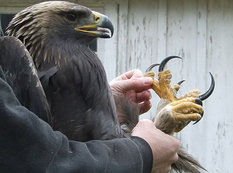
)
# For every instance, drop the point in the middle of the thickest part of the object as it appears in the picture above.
(21, 75)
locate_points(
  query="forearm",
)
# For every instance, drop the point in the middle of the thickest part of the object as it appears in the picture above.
(28, 144)
(116, 156)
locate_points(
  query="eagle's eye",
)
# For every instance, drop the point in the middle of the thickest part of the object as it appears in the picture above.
(71, 17)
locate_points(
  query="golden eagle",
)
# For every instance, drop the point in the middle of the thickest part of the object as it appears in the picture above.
(77, 100)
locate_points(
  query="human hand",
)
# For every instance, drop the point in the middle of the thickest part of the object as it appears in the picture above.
(164, 147)
(135, 87)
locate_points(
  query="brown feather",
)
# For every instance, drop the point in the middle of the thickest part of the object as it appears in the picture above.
(186, 163)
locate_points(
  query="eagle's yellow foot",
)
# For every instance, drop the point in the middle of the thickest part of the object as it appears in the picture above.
(173, 113)
(186, 105)
(162, 86)
(193, 93)
(174, 116)
(184, 111)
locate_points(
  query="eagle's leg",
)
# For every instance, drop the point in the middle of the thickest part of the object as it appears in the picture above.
(174, 116)
(162, 86)
(173, 113)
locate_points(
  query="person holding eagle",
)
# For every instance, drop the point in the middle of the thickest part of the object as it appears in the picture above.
(77, 99)
(58, 112)
(30, 145)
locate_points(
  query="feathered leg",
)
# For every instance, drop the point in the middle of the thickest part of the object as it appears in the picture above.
(173, 113)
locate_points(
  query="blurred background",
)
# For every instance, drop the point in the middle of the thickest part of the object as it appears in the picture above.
(200, 31)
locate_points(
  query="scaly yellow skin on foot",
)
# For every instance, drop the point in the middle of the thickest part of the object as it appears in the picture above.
(162, 85)
(174, 113)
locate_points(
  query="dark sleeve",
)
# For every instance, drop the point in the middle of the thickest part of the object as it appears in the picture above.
(29, 145)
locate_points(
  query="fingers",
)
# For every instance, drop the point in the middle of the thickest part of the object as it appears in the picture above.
(135, 87)
(132, 80)
(130, 74)
(166, 167)
(176, 157)
(143, 96)
(137, 84)
(144, 107)
(164, 147)
(143, 100)
(134, 74)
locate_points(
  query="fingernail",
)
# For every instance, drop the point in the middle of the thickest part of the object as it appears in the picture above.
(150, 95)
(148, 81)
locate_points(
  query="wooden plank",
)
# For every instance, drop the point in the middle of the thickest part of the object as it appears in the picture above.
(122, 36)
(175, 39)
(142, 35)
(162, 29)
(110, 45)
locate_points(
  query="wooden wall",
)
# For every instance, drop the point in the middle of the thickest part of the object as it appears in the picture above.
(201, 32)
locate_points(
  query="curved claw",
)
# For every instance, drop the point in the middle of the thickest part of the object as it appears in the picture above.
(179, 83)
(150, 68)
(210, 90)
(164, 62)
(205, 95)
(176, 87)
(198, 101)
(198, 120)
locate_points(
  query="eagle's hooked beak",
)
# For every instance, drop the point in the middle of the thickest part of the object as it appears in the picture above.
(101, 26)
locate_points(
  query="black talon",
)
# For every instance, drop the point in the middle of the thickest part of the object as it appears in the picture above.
(210, 90)
(164, 62)
(150, 68)
(205, 95)
(179, 83)
(199, 120)
(198, 101)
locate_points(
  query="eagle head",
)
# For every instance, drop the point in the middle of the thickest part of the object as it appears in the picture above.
(50, 28)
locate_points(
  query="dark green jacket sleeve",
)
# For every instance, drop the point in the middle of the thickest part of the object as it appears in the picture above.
(29, 145)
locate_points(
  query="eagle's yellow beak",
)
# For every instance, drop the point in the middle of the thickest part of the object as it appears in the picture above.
(101, 26)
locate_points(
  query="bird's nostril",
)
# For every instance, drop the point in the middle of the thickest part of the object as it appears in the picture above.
(97, 19)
